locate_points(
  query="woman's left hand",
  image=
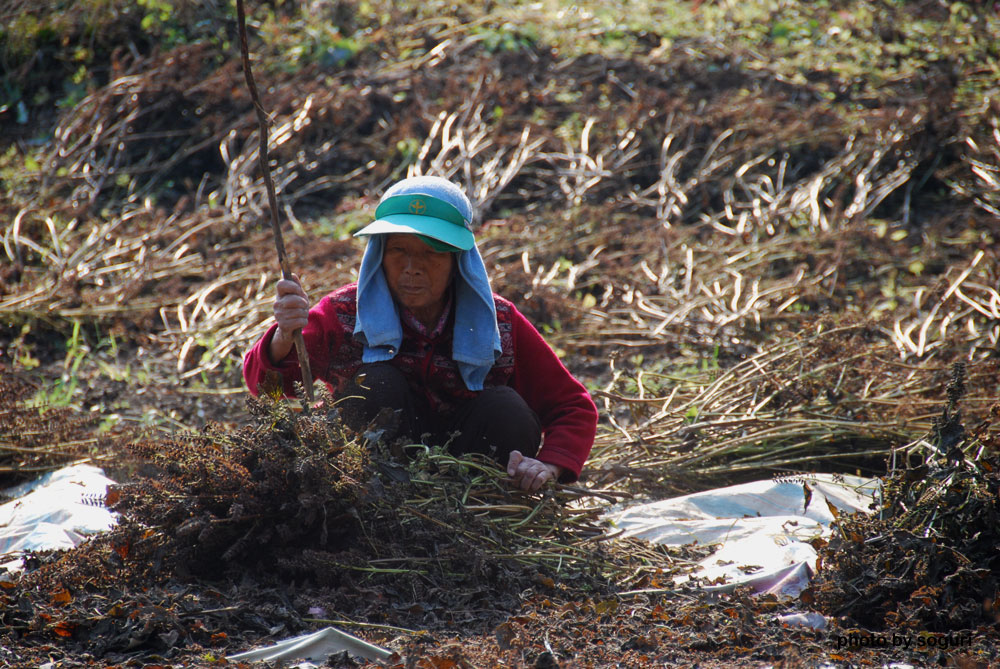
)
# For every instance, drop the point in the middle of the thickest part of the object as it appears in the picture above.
(530, 474)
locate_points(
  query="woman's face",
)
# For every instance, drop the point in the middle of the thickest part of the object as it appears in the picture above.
(418, 276)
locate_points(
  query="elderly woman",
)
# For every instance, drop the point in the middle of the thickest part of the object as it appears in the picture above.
(421, 333)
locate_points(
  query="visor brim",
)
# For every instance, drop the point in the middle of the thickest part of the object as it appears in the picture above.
(441, 230)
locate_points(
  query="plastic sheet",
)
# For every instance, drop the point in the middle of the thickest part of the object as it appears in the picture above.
(315, 647)
(762, 529)
(56, 511)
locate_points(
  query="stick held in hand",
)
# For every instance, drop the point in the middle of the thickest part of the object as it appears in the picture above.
(272, 200)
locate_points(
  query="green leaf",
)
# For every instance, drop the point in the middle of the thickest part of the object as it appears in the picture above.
(779, 30)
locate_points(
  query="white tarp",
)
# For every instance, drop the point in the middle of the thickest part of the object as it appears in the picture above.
(56, 511)
(761, 529)
(315, 647)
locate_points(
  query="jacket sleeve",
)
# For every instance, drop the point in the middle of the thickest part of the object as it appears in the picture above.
(567, 413)
(321, 335)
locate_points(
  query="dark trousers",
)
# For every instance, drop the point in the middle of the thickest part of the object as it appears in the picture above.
(495, 422)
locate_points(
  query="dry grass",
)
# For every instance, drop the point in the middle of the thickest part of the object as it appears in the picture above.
(635, 220)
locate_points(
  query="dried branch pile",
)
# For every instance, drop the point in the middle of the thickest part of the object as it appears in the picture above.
(837, 396)
(244, 498)
(926, 559)
(294, 499)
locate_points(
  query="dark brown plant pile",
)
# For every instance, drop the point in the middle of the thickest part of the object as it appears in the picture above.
(926, 559)
(208, 505)
(242, 498)
(243, 533)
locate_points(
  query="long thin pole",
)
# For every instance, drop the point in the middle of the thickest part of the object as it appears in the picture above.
(263, 121)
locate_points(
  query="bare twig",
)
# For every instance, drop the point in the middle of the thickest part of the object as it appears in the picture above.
(272, 200)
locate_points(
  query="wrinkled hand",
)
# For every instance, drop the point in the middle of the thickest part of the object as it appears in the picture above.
(530, 474)
(291, 312)
(291, 305)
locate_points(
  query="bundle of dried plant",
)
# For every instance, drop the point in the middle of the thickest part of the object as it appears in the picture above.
(926, 559)
(296, 498)
(835, 397)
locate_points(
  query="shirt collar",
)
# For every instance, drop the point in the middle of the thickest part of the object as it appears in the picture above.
(411, 321)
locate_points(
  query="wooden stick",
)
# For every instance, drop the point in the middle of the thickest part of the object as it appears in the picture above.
(263, 121)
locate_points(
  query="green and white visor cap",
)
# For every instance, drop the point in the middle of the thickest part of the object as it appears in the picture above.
(432, 208)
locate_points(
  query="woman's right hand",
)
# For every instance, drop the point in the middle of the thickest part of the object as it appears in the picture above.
(291, 312)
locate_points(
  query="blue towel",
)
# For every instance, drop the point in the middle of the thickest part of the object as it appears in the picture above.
(476, 342)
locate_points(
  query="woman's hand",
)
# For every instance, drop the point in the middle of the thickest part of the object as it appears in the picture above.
(291, 311)
(530, 474)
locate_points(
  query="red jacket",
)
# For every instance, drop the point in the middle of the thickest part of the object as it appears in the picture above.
(527, 364)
